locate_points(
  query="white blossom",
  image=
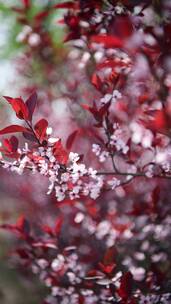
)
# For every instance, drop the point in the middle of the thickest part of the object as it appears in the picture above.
(73, 157)
(103, 156)
(113, 183)
(111, 97)
(34, 39)
(96, 149)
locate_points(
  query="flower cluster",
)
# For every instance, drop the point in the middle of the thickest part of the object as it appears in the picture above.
(70, 180)
(102, 155)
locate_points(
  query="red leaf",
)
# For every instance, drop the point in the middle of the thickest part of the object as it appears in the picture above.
(22, 253)
(31, 104)
(96, 81)
(155, 198)
(47, 229)
(108, 41)
(60, 154)
(8, 227)
(26, 3)
(23, 225)
(19, 107)
(85, 107)
(61, 21)
(125, 288)
(66, 5)
(42, 15)
(10, 147)
(93, 110)
(103, 110)
(71, 36)
(71, 139)
(40, 129)
(159, 122)
(107, 268)
(14, 129)
(123, 27)
(110, 255)
(58, 225)
(14, 143)
(11, 144)
(7, 144)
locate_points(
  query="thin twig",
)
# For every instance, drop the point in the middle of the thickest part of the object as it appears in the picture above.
(105, 173)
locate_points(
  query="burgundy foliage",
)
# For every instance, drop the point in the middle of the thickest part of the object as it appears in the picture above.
(105, 237)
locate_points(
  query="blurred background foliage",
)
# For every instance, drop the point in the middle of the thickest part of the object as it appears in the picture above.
(10, 28)
(15, 288)
(11, 48)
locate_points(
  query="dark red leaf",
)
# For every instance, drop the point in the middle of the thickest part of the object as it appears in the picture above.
(66, 5)
(110, 255)
(93, 110)
(31, 104)
(85, 107)
(155, 198)
(159, 121)
(23, 225)
(60, 153)
(9, 227)
(108, 41)
(14, 143)
(11, 144)
(126, 286)
(73, 22)
(26, 3)
(81, 299)
(42, 15)
(122, 27)
(71, 139)
(19, 107)
(71, 36)
(14, 129)
(58, 225)
(40, 129)
(7, 144)
(107, 268)
(61, 21)
(22, 253)
(103, 110)
(10, 147)
(47, 229)
(96, 81)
